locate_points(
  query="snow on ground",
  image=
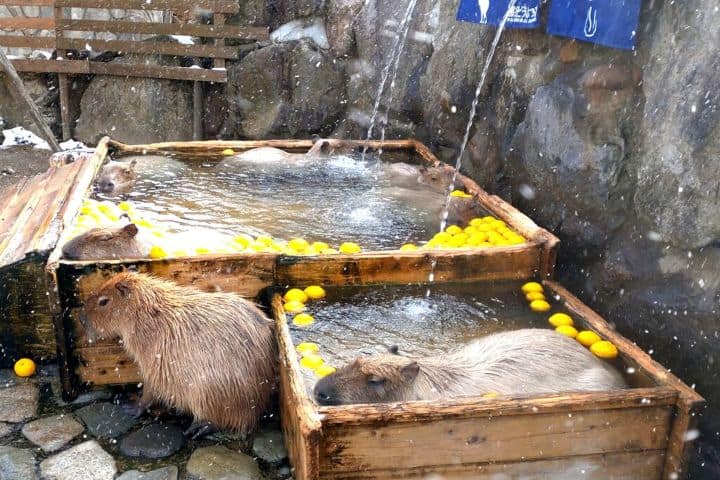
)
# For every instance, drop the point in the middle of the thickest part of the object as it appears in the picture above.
(21, 136)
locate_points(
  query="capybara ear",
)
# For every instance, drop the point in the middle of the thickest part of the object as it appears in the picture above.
(133, 162)
(410, 371)
(394, 349)
(315, 137)
(130, 230)
(325, 146)
(124, 288)
(422, 169)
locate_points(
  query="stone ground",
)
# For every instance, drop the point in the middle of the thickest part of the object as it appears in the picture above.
(92, 438)
(19, 162)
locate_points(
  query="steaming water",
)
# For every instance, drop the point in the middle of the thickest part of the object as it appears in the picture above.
(354, 321)
(331, 201)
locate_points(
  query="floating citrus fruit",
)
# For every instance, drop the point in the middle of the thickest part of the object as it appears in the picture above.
(489, 395)
(303, 320)
(306, 348)
(453, 229)
(408, 247)
(315, 292)
(350, 248)
(531, 287)
(539, 306)
(295, 294)
(298, 244)
(228, 152)
(588, 338)
(294, 306)
(459, 193)
(311, 361)
(535, 296)
(324, 370)
(24, 367)
(157, 252)
(567, 330)
(558, 319)
(604, 349)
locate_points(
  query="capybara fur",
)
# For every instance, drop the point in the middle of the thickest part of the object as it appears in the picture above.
(106, 243)
(209, 354)
(117, 178)
(520, 362)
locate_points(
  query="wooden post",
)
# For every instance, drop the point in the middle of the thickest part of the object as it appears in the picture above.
(16, 84)
(197, 110)
(63, 84)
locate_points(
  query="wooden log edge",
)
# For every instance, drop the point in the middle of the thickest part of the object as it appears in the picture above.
(308, 420)
(471, 407)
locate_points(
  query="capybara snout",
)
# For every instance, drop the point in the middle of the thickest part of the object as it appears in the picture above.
(117, 178)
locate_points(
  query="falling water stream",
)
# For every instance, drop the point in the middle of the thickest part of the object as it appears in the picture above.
(392, 64)
(466, 138)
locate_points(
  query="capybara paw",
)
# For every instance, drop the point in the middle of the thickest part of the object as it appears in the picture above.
(200, 429)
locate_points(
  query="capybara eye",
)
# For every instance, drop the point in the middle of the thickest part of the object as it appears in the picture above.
(102, 301)
(375, 380)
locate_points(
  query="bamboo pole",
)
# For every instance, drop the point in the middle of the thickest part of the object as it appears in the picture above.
(16, 84)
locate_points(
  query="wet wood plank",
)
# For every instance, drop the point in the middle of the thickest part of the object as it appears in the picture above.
(492, 263)
(645, 465)
(494, 439)
(146, 47)
(197, 30)
(121, 70)
(300, 422)
(31, 23)
(219, 6)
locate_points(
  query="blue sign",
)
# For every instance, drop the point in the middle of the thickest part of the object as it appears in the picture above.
(524, 13)
(612, 23)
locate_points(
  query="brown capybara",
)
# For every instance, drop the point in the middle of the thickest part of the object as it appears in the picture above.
(519, 362)
(209, 354)
(106, 243)
(117, 178)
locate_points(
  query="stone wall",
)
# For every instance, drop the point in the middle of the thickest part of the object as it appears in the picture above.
(616, 152)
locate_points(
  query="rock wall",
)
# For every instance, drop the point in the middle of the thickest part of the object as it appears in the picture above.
(616, 152)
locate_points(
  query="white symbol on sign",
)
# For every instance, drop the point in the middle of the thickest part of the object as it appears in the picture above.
(484, 7)
(590, 22)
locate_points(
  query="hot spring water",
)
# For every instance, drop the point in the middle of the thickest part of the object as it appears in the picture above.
(332, 200)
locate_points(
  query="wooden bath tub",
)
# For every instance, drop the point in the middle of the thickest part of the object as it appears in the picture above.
(637, 433)
(104, 363)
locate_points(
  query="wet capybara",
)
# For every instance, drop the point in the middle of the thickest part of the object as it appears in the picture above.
(209, 354)
(116, 178)
(107, 243)
(320, 149)
(119, 177)
(519, 362)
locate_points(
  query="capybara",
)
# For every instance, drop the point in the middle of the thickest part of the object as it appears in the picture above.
(209, 354)
(107, 243)
(320, 149)
(518, 362)
(117, 178)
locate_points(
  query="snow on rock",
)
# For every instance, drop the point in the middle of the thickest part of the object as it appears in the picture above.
(312, 28)
(21, 136)
(184, 39)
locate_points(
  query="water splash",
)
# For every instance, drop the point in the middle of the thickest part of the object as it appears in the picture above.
(393, 61)
(468, 127)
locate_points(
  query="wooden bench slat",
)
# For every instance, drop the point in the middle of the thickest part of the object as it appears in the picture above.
(148, 47)
(22, 41)
(219, 6)
(120, 70)
(27, 3)
(35, 23)
(209, 31)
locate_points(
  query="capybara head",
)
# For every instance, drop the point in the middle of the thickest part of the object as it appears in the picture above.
(437, 178)
(381, 378)
(114, 305)
(104, 244)
(117, 178)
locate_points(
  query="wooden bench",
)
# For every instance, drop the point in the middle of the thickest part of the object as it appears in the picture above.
(208, 43)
